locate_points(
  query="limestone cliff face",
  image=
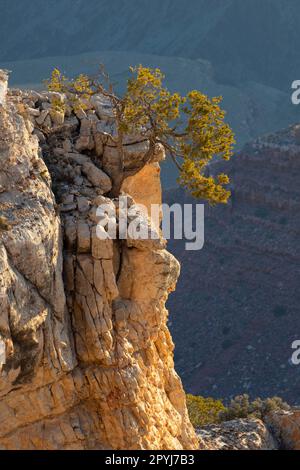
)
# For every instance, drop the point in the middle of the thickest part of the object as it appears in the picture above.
(86, 357)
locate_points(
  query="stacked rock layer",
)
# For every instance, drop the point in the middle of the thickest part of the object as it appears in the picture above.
(86, 357)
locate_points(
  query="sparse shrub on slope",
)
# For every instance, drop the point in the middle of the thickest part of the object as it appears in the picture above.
(204, 411)
(242, 407)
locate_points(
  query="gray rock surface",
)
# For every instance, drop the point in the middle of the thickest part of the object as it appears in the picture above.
(239, 434)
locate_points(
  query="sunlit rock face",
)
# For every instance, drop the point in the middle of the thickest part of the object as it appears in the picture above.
(238, 434)
(3, 86)
(86, 358)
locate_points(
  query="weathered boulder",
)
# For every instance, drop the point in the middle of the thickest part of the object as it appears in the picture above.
(285, 425)
(97, 177)
(145, 188)
(239, 434)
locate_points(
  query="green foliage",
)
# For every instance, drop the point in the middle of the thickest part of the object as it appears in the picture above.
(78, 90)
(191, 128)
(204, 411)
(148, 104)
(242, 407)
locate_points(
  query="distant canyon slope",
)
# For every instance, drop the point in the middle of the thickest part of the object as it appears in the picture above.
(222, 47)
(235, 313)
(253, 40)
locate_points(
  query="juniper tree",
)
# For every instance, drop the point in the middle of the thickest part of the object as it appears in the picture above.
(191, 128)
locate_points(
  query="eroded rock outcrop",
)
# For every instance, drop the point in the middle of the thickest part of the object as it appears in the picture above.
(285, 426)
(239, 434)
(88, 355)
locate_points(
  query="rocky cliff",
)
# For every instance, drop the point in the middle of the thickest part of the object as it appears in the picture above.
(86, 355)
